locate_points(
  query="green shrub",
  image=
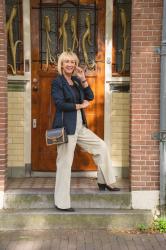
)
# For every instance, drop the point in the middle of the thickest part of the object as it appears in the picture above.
(142, 227)
(160, 224)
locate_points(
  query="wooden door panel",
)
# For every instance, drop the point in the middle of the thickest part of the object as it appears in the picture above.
(44, 157)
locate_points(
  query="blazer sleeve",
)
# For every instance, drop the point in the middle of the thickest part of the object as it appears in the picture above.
(58, 97)
(88, 93)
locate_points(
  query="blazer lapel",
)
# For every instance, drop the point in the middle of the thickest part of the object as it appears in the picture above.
(79, 89)
(66, 85)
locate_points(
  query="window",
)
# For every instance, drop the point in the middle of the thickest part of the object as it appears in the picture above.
(121, 38)
(14, 36)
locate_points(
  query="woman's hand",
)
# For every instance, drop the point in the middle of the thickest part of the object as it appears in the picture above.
(81, 74)
(83, 105)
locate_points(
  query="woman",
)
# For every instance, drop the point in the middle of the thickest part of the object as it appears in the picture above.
(71, 94)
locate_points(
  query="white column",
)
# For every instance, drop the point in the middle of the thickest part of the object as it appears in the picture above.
(145, 200)
(1, 199)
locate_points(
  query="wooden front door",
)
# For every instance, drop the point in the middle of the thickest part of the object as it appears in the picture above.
(55, 26)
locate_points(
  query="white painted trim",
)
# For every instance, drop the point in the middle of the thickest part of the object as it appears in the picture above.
(1, 199)
(26, 44)
(27, 78)
(108, 73)
(27, 75)
(145, 199)
(27, 36)
(120, 79)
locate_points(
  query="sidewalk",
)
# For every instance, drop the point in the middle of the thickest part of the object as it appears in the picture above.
(80, 240)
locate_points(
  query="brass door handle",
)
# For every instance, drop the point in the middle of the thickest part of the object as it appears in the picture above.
(35, 80)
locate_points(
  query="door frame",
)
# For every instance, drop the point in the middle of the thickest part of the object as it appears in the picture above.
(110, 79)
(27, 77)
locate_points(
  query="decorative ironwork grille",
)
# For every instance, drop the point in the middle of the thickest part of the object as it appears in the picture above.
(15, 36)
(121, 37)
(63, 26)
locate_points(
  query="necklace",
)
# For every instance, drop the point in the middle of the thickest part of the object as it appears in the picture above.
(70, 82)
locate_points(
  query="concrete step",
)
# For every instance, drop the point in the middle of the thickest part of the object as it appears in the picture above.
(33, 219)
(30, 199)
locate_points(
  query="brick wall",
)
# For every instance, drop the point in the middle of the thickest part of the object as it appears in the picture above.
(3, 98)
(145, 88)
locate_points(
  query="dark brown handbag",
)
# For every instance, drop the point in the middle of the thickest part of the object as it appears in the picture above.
(57, 135)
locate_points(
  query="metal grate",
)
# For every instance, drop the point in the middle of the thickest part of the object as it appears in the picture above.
(55, 14)
(122, 37)
(15, 36)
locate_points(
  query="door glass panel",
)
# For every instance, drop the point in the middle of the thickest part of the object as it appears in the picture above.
(15, 36)
(67, 26)
(121, 38)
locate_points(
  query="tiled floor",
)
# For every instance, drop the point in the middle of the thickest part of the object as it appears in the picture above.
(48, 183)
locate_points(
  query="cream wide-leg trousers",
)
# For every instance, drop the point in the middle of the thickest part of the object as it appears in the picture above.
(91, 143)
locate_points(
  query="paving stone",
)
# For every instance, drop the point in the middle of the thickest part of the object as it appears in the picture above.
(147, 243)
(131, 244)
(138, 242)
(97, 240)
(105, 240)
(80, 240)
(161, 238)
(122, 242)
(55, 244)
(25, 245)
(72, 241)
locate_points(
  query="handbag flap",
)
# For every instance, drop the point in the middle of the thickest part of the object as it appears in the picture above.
(55, 133)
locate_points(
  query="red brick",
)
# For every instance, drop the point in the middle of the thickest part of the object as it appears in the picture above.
(3, 98)
(146, 178)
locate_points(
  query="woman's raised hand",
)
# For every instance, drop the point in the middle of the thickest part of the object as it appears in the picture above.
(80, 73)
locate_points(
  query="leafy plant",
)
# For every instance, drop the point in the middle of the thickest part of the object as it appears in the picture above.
(160, 224)
(142, 227)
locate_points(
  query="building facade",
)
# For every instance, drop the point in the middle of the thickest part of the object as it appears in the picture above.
(123, 68)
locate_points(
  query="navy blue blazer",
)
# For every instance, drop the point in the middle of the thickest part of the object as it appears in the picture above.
(65, 103)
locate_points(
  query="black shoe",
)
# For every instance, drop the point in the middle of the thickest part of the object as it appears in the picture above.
(102, 187)
(65, 209)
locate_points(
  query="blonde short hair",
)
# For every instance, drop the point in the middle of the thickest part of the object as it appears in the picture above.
(65, 55)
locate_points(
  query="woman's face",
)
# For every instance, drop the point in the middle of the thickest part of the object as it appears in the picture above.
(68, 66)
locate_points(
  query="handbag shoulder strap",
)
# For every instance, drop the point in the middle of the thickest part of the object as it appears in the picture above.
(50, 111)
